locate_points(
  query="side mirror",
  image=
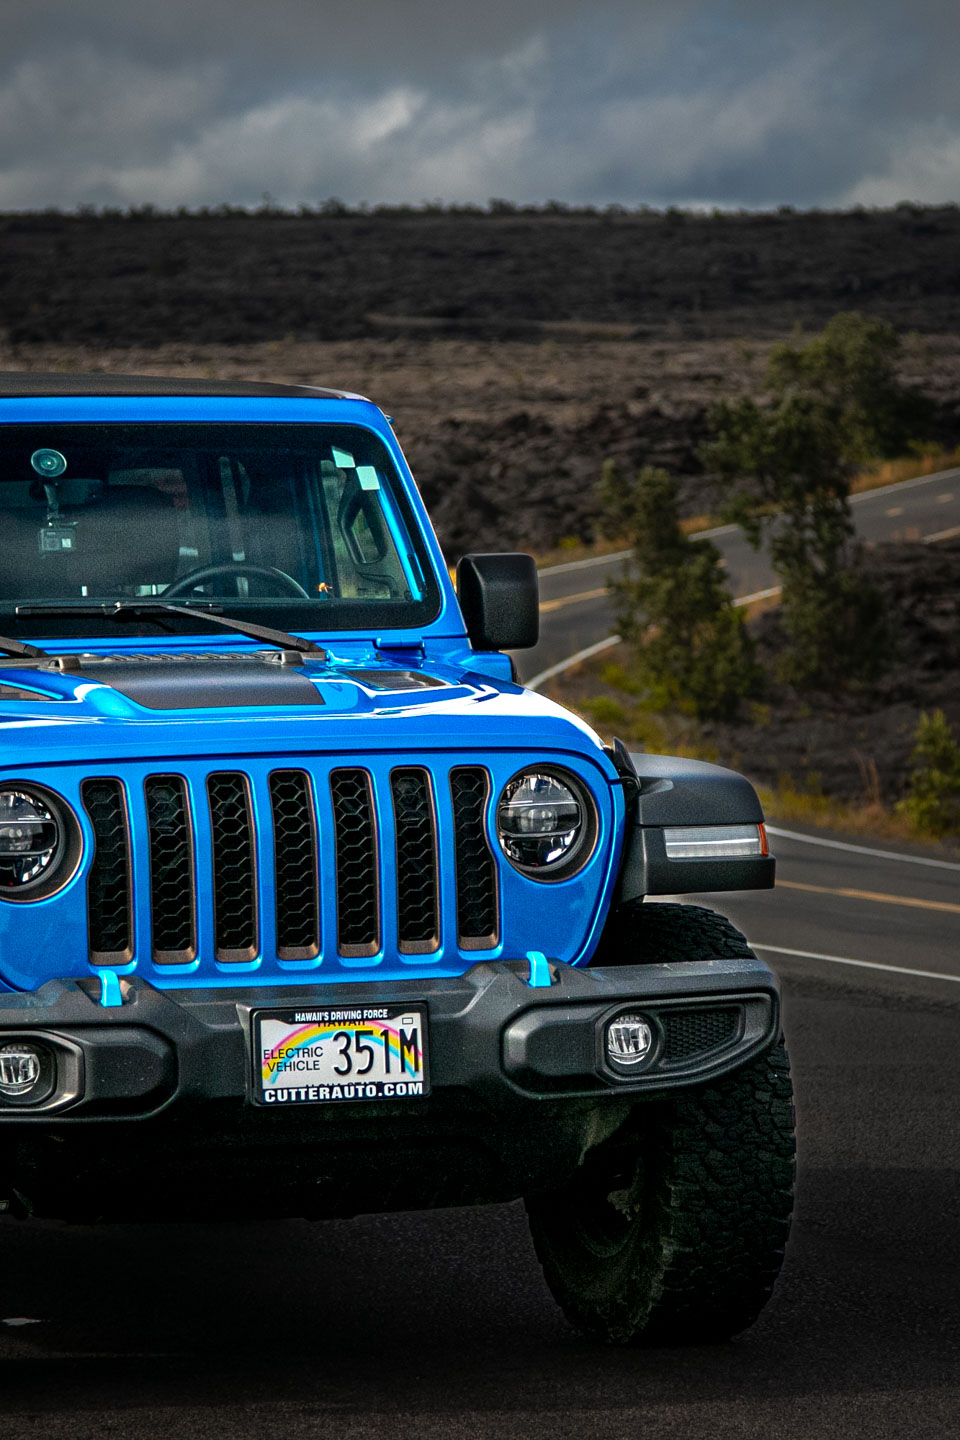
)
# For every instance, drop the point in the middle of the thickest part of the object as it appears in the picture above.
(500, 599)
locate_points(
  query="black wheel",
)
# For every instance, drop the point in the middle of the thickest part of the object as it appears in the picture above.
(673, 1231)
(645, 933)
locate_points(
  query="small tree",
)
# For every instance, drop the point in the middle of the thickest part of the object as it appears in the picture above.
(692, 651)
(851, 368)
(933, 801)
(835, 402)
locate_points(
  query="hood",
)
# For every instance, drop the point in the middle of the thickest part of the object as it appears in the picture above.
(97, 707)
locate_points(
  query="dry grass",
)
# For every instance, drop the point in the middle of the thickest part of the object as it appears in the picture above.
(891, 472)
(572, 548)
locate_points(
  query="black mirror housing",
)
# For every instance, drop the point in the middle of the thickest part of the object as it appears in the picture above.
(500, 599)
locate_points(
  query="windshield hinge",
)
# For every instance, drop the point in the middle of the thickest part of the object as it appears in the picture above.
(393, 645)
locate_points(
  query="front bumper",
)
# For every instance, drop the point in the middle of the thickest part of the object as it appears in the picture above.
(519, 1079)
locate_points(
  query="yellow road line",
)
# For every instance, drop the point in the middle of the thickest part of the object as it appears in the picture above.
(580, 599)
(871, 895)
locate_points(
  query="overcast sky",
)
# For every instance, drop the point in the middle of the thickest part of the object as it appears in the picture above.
(697, 102)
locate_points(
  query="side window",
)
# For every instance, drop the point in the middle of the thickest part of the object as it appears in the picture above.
(363, 527)
(367, 564)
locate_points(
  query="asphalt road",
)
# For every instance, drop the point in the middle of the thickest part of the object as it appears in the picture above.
(439, 1325)
(576, 611)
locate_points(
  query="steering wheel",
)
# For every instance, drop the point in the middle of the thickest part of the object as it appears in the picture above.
(285, 583)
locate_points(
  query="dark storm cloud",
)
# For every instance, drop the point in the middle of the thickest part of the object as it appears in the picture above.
(714, 102)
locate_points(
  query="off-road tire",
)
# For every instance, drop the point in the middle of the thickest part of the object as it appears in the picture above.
(645, 933)
(673, 1232)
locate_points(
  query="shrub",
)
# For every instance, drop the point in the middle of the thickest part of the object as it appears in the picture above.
(834, 403)
(691, 650)
(932, 804)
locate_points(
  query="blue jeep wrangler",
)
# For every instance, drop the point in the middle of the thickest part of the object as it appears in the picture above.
(308, 908)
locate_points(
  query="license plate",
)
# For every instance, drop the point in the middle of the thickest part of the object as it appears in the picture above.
(327, 1056)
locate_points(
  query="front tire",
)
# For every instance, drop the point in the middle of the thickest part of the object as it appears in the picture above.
(673, 1231)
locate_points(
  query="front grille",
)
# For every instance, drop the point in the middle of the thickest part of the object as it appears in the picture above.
(295, 865)
(199, 873)
(418, 922)
(234, 868)
(358, 870)
(477, 899)
(697, 1031)
(109, 892)
(172, 895)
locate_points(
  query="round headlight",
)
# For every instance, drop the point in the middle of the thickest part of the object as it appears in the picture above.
(545, 823)
(37, 842)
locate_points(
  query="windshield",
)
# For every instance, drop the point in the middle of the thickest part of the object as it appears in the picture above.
(305, 525)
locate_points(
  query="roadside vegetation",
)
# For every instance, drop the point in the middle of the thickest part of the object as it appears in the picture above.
(697, 676)
(932, 805)
(834, 404)
(691, 650)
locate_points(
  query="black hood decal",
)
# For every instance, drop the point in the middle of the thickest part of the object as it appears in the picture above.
(204, 684)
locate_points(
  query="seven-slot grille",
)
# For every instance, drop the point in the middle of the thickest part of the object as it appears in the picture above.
(217, 818)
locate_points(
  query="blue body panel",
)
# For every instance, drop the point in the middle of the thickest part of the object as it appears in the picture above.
(476, 716)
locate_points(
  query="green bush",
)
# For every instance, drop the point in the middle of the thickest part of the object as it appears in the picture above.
(691, 650)
(932, 804)
(851, 369)
(833, 404)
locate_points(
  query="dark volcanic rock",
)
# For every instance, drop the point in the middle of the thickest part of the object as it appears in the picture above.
(534, 480)
(855, 744)
(246, 278)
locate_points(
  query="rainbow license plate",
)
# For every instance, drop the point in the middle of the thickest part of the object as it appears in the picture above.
(327, 1056)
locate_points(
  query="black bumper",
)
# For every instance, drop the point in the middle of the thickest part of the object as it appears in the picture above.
(162, 1086)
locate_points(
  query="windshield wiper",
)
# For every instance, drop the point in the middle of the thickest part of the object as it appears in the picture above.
(17, 647)
(144, 609)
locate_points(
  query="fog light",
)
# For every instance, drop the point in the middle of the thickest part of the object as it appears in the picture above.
(21, 1069)
(629, 1040)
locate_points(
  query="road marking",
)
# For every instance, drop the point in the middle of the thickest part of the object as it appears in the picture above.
(536, 681)
(894, 510)
(879, 491)
(943, 499)
(568, 565)
(580, 599)
(758, 595)
(862, 849)
(873, 895)
(583, 596)
(861, 964)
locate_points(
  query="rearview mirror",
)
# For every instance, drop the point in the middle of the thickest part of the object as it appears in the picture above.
(500, 599)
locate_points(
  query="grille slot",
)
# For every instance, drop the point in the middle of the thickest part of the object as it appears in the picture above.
(109, 895)
(172, 891)
(697, 1031)
(477, 897)
(234, 868)
(358, 877)
(418, 921)
(295, 865)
